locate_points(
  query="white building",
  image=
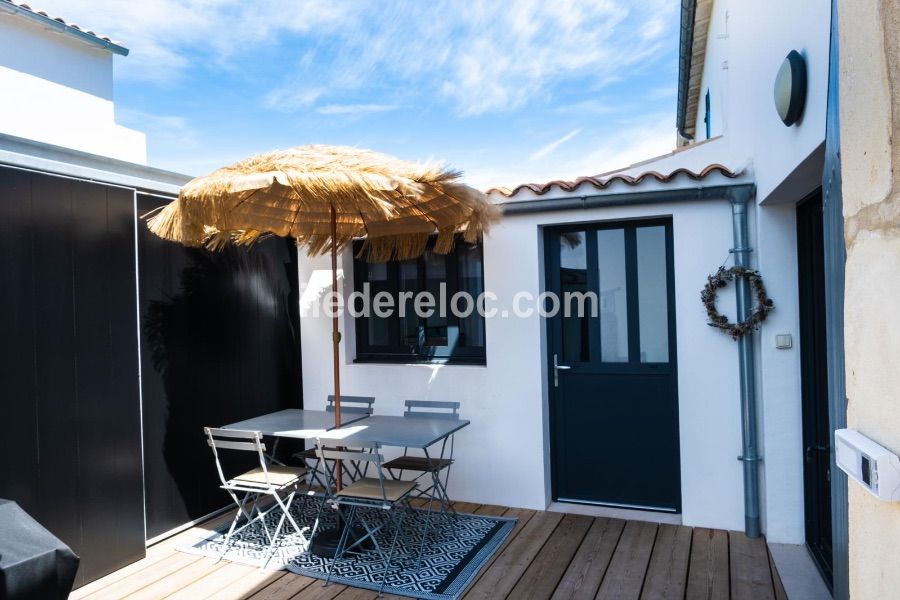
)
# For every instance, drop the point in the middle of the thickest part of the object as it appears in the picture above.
(669, 449)
(56, 83)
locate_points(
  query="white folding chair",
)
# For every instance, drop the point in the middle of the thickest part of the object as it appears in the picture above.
(264, 480)
(367, 493)
(350, 405)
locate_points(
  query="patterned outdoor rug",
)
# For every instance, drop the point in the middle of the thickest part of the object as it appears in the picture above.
(455, 551)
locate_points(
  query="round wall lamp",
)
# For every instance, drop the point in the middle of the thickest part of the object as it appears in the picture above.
(790, 88)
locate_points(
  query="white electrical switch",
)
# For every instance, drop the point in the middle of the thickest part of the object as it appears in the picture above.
(868, 463)
(783, 341)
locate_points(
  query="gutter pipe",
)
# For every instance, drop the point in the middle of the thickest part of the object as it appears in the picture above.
(740, 200)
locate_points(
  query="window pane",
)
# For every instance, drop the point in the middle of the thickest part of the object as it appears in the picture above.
(471, 281)
(573, 278)
(409, 282)
(613, 295)
(435, 275)
(653, 300)
(379, 332)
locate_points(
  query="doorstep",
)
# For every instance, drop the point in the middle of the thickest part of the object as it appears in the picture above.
(593, 510)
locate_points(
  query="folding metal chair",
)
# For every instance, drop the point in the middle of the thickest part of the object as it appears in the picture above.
(365, 493)
(265, 480)
(350, 405)
(429, 465)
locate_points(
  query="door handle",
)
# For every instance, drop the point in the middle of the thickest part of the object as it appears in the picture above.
(556, 369)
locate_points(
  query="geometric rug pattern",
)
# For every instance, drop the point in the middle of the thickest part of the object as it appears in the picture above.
(456, 549)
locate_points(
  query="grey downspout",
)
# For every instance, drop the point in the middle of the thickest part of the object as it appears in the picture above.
(740, 200)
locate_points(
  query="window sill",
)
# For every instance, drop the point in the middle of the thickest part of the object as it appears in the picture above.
(412, 362)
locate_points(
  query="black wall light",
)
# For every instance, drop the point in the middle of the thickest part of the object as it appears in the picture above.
(790, 88)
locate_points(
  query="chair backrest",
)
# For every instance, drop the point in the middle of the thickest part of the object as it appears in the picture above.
(432, 408)
(359, 405)
(327, 456)
(236, 439)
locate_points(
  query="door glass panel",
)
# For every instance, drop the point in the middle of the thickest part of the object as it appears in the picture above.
(653, 301)
(613, 295)
(573, 278)
(379, 333)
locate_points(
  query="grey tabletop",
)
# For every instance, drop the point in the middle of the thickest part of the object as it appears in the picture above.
(406, 432)
(293, 423)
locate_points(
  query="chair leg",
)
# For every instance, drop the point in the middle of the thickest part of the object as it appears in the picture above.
(342, 542)
(237, 516)
(390, 556)
(273, 545)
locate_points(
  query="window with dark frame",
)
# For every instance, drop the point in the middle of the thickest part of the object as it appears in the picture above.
(403, 336)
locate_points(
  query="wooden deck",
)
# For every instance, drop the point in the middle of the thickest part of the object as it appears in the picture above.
(548, 555)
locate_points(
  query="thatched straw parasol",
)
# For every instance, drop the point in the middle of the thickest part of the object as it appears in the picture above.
(325, 197)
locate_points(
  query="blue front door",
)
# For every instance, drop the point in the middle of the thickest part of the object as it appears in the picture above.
(613, 398)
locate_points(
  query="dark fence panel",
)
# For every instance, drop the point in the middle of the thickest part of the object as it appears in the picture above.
(220, 343)
(70, 449)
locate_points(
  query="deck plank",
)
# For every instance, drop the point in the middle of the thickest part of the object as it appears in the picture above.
(146, 576)
(512, 562)
(214, 582)
(179, 579)
(548, 567)
(247, 586)
(288, 586)
(708, 576)
(523, 517)
(584, 574)
(491, 510)
(625, 575)
(667, 572)
(751, 577)
(466, 507)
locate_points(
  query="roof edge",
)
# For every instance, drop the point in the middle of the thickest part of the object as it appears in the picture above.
(603, 183)
(61, 26)
(685, 52)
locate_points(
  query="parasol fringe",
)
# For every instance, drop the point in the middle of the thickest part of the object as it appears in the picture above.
(291, 193)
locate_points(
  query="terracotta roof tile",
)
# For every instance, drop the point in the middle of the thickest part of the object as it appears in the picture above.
(72, 26)
(600, 182)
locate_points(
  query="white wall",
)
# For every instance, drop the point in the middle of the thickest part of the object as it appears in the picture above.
(59, 90)
(503, 455)
(746, 44)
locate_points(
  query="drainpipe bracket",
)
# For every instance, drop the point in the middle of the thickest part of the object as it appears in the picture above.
(750, 458)
(736, 250)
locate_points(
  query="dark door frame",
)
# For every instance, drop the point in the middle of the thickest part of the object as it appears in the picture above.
(814, 383)
(553, 335)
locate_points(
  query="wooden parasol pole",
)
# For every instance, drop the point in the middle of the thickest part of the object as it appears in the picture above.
(335, 339)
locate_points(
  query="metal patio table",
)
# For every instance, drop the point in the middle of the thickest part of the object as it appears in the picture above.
(295, 423)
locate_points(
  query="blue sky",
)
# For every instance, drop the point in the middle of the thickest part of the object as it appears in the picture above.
(507, 91)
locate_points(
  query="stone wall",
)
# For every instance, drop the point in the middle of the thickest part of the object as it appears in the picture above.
(870, 121)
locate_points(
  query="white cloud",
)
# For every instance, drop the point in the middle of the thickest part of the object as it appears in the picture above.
(545, 150)
(355, 109)
(166, 36)
(633, 142)
(481, 56)
(291, 99)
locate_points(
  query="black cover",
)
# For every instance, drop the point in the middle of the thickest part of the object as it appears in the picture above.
(33, 562)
